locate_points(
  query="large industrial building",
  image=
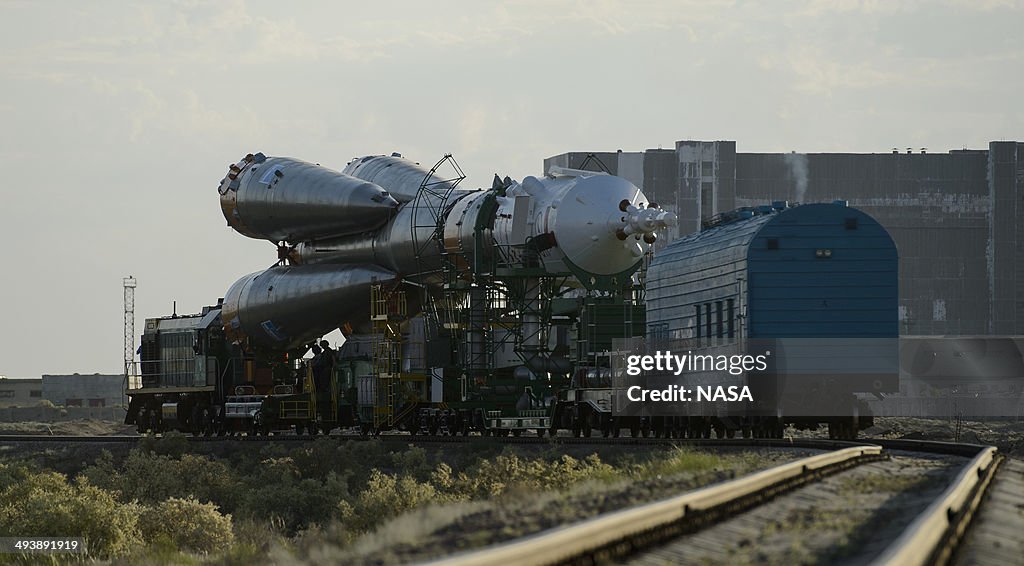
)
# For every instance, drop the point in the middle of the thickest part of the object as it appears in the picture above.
(954, 215)
(87, 390)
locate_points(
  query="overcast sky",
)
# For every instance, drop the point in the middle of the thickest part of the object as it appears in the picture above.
(118, 119)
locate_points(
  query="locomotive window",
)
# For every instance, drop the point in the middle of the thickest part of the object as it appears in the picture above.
(773, 243)
(732, 318)
(720, 331)
(707, 315)
(697, 332)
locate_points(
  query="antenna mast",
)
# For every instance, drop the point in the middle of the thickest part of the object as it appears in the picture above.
(129, 329)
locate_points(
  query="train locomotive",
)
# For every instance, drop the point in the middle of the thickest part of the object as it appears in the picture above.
(494, 311)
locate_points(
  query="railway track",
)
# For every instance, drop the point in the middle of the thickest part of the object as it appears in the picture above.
(818, 444)
(683, 528)
(669, 531)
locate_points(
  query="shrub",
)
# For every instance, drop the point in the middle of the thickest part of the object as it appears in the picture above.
(187, 523)
(45, 504)
(493, 477)
(151, 478)
(384, 497)
(279, 491)
(173, 444)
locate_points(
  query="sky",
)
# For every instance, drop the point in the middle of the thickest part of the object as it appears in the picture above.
(118, 119)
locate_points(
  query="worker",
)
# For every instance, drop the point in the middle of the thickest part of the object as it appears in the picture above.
(314, 363)
(327, 365)
(323, 372)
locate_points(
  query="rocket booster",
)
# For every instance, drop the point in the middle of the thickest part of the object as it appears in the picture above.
(283, 199)
(286, 306)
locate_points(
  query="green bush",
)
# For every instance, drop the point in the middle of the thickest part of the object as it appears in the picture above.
(384, 497)
(151, 478)
(187, 524)
(278, 490)
(44, 504)
(493, 477)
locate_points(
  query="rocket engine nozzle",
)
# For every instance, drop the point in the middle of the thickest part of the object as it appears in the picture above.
(644, 221)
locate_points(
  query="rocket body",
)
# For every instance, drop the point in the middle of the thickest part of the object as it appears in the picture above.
(386, 218)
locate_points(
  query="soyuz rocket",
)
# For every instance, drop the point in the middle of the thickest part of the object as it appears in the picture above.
(385, 219)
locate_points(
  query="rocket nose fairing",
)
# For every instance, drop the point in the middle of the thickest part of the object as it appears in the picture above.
(287, 200)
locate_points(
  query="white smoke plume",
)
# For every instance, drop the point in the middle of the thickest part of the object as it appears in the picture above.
(797, 163)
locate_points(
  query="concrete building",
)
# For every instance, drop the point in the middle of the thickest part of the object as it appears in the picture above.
(20, 391)
(954, 215)
(81, 390)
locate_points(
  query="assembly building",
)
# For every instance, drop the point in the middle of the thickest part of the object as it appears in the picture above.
(954, 215)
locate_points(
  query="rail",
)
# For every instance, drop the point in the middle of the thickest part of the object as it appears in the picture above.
(613, 534)
(933, 537)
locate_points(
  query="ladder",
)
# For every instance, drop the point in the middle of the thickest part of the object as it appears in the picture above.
(387, 311)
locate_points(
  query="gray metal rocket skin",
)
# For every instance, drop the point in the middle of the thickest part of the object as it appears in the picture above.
(387, 218)
(282, 199)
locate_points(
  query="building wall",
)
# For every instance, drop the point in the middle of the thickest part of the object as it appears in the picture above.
(95, 390)
(953, 216)
(935, 206)
(1006, 249)
(20, 392)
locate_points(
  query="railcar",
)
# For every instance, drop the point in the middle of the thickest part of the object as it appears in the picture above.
(815, 277)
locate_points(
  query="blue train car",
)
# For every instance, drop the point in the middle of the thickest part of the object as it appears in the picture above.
(816, 273)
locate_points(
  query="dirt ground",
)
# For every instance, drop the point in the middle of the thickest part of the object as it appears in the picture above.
(78, 427)
(1007, 435)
